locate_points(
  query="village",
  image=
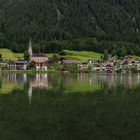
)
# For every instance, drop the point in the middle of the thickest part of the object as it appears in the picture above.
(41, 62)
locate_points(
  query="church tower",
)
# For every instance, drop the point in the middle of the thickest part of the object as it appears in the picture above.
(30, 48)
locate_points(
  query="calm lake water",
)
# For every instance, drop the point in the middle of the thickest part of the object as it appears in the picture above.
(69, 107)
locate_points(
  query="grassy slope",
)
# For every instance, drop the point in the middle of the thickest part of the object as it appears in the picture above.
(9, 55)
(79, 55)
(82, 55)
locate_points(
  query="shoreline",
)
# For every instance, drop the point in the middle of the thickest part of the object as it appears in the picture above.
(55, 71)
(26, 71)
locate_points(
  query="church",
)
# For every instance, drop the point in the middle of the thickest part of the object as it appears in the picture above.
(40, 59)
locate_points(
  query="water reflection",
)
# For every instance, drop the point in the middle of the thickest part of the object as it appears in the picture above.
(40, 81)
(10, 82)
(66, 83)
(63, 106)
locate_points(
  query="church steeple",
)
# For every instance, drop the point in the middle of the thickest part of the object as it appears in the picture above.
(30, 48)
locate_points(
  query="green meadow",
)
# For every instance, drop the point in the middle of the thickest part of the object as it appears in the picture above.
(7, 54)
(82, 55)
(79, 55)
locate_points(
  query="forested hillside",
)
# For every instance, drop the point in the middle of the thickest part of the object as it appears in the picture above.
(53, 25)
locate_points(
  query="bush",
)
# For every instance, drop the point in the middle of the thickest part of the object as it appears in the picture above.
(72, 68)
(62, 53)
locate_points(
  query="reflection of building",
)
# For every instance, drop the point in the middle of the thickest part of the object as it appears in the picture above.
(12, 82)
(110, 80)
(41, 81)
(30, 95)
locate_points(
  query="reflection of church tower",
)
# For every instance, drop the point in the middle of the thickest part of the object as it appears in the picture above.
(30, 95)
(25, 78)
(30, 48)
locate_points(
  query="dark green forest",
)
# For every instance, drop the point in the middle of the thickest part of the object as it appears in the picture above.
(54, 25)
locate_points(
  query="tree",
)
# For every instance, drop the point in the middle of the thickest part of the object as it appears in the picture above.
(102, 56)
(121, 52)
(130, 51)
(55, 57)
(62, 52)
(26, 55)
(113, 52)
(81, 27)
(4, 43)
(0, 57)
(32, 65)
(105, 54)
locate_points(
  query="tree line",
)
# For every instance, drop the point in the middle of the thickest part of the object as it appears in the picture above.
(70, 24)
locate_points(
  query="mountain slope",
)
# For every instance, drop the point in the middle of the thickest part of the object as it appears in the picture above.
(105, 20)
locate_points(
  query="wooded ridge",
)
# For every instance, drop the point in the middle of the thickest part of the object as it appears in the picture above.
(54, 25)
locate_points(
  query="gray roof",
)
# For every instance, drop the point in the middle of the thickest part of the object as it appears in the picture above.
(38, 55)
(21, 62)
(70, 61)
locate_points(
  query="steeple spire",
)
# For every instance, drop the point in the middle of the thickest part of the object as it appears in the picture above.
(30, 48)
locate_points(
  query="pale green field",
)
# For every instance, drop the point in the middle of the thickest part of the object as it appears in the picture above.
(78, 55)
(82, 55)
(9, 55)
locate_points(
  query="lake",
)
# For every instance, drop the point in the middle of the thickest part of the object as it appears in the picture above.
(69, 107)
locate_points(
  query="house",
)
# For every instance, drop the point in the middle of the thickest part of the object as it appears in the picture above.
(2, 62)
(110, 57)
(128, 60)
(96, 64)
(11, 65)
(21, 65)
(128, 57)
(109, 66)
(39, 58)
(137, 64)
(83, 66)
(41, 66)
(69, 62)
(16, 65)
(138, 67)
